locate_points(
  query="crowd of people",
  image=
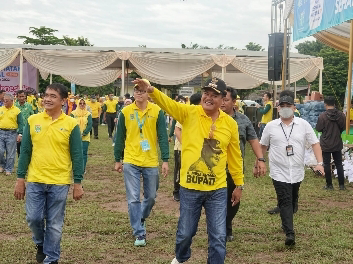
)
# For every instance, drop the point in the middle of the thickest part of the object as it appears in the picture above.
(52, 133)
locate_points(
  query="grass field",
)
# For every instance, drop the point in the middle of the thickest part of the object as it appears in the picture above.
(97, 228)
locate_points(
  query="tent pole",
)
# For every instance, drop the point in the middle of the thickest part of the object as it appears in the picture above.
(223, 72)
(51, 79)
(295, 90)
(320, 82)
(122, 77)
(349, 95)
(274, 95)
(284, 64)
(21, 70)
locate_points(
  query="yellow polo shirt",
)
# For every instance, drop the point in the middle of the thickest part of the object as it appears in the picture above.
(95, 108)
(50, 137)
(133, 151)
(204, 160)
(8, 117)
(111, 106)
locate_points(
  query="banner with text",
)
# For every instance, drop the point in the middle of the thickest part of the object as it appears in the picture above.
(10, 77)
(312, 16)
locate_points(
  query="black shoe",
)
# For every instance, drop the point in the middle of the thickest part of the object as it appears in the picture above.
(40, 255)
(342, 188)
(275, 210)
(176, 196)
(290, 240)
(95, 137)
(230, 238)
(54, 262)
(328, 187)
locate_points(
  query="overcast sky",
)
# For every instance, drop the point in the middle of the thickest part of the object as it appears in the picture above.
(154, 23)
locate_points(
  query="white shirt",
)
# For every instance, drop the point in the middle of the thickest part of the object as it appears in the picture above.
(283, 168)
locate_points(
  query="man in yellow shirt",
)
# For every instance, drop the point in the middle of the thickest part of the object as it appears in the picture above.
(210, 140)
(51, 149)
(110, 107)
(140, 125)
(267, 112)
(96, 113)
(11, 126)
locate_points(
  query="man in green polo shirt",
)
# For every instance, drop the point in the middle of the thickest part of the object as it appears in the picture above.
(26, 111)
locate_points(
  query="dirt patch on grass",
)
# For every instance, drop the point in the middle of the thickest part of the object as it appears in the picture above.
(9, 237)
(336, 204)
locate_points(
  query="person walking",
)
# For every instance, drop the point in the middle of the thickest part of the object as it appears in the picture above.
(84, 120)
(140, 126)
(11, 128)
(331, 123)
(51, 149)
(26, 111)
(110, 107)
(246, 133)
(96, 112)
(288, 136)
(210, 138)
(267, 112)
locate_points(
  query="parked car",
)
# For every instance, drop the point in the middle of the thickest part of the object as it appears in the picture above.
(250, 102)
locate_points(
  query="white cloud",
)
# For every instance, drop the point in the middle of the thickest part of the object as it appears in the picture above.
(162, 23)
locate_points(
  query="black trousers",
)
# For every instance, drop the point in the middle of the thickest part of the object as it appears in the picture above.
(337, 158)
(95, 123)
(18, 148)
(177, 166)
(110, 121)
(231, 210)
(287, 196)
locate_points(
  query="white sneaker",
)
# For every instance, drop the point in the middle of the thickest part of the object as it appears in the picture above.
(113, 144)
(175, 261)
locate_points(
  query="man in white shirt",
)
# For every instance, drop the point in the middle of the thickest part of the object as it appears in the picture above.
(287, 137)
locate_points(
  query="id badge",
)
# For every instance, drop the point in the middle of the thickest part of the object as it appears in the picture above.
(145, 145)
(289, 150)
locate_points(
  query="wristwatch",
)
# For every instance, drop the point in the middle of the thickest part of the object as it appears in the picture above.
(261, 159)
(320, 163)
(241, 187)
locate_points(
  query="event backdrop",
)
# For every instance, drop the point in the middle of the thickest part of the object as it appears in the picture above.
(312, 16)
(10, 77)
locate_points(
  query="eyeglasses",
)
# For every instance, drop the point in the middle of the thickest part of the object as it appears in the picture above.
(139, 91)
(212, 129)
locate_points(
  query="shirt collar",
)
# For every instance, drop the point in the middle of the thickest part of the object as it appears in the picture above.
(62, 115)
(202, 112)
(295, 121)
(135, 107)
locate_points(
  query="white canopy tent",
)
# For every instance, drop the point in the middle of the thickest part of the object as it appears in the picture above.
(96, 66)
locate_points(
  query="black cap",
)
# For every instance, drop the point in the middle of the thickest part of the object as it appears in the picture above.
(93, 97)
(286, 99)
(217, 85)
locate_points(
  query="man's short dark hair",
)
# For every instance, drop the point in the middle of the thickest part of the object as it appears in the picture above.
(329, 100)
(20, 92)
(181, 98)
(286, 92)
(233, 92)
(269, 95)
(127, 96)
(61, 89)
(2, 91)
(195, 99)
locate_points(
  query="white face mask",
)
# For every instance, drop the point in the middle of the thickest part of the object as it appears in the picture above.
(72, 100)
(286, 112)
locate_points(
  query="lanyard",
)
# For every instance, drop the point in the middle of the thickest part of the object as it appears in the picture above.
(140, 123)
(289, 133)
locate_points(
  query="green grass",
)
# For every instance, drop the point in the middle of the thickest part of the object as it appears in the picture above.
(97, 228)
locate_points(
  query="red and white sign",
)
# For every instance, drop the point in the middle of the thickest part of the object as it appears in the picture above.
(10, 77)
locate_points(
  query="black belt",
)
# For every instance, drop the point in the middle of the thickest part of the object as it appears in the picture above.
(4, 129)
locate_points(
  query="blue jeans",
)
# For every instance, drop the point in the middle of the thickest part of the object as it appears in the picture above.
(45, 208)
(138, 211)
(215, 204)
(8, 143)
(261, 130)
